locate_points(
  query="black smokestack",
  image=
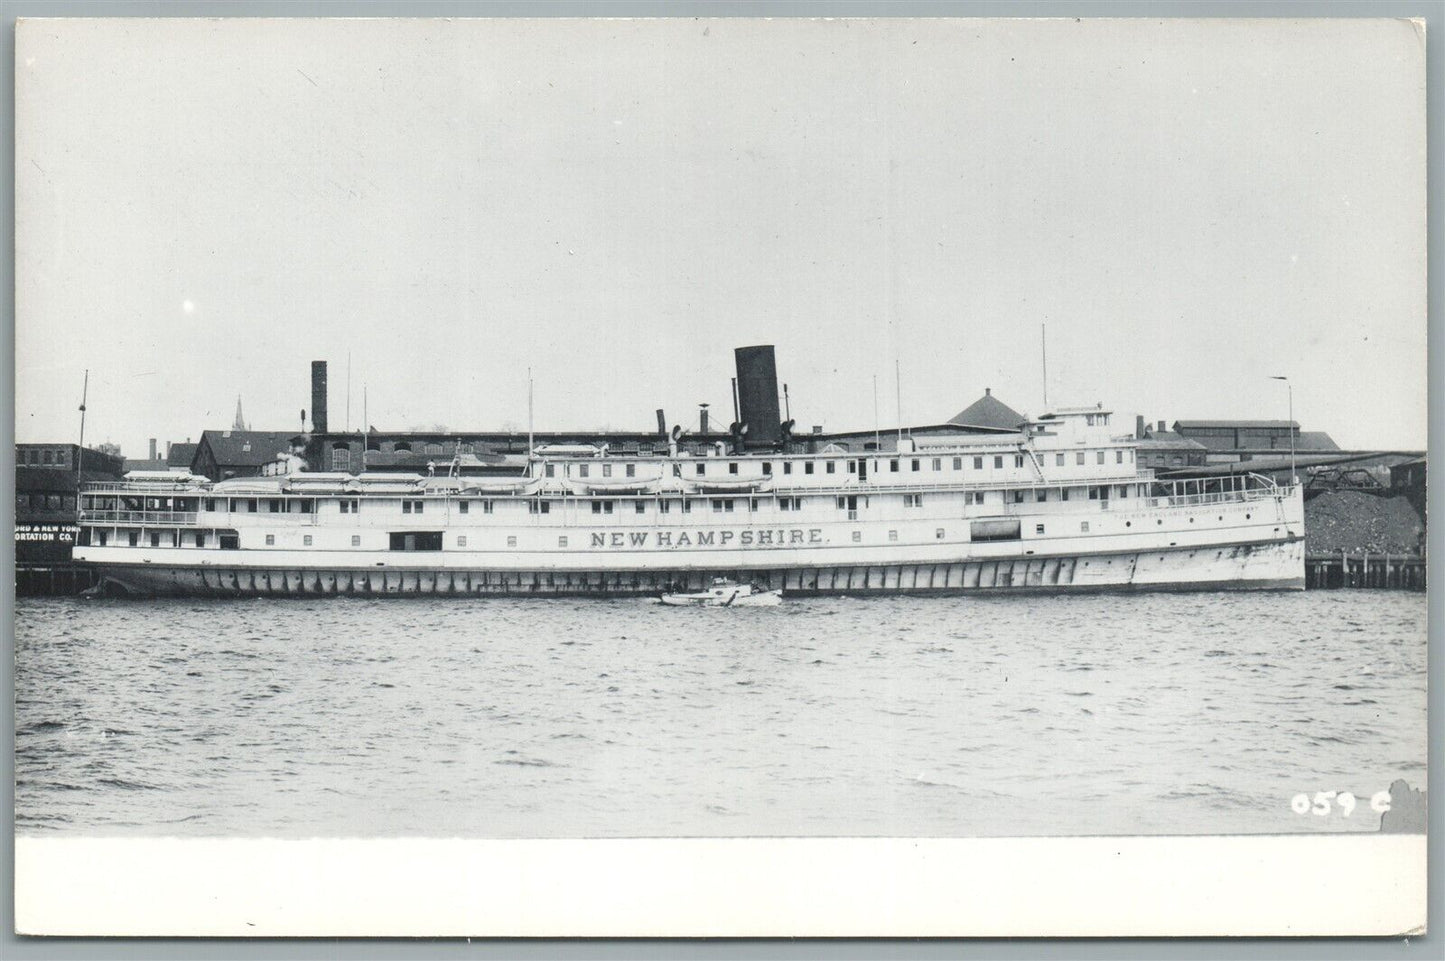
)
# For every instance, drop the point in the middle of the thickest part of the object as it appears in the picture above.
(702, 419)
(318, 396)
(758, 394)
(661, 422)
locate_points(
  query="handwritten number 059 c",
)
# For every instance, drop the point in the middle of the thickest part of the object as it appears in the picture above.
(1322, 804)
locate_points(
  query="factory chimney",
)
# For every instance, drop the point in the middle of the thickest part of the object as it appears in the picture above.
(758, 394)
(1161, 427)
(318, 396)
(1139, 429)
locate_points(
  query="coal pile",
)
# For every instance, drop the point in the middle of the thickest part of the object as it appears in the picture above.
(1357, 523)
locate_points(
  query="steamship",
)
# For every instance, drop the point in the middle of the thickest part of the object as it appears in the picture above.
(1058, 504)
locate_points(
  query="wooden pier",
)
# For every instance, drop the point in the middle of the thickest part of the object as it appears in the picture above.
(53, 580)
(1381, 571)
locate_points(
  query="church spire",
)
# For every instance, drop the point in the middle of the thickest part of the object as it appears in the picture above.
(240, 423)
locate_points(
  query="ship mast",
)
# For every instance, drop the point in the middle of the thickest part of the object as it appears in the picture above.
(84, 393)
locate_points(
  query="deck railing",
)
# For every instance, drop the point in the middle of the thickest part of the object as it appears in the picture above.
(143, 518)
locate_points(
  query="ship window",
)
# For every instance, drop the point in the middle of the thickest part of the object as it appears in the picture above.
(631, 470)
(52, 502)
(602, 507)
(686, 506)
(355, 540)
(752, 503)
(664, 507)
(210, 503)
(512, 541)
(230, 541)
(306, 540)
(767, 468)
(857, 537)
(1101, 457)
(912, 500)
(916, 464)
(341, 458)
(893, 535)
(583, 470)
(539, 507)
(1123, 490)
(787, 467)
(461, 540)
(1089, 419)
(1118, 457)
(893, 465)
(1038, 528)
(808, 467)
(978, 463)
(562, 540)
(155, 539)
(200, 538)
(401, 447)
(998, 461)
(104, 536)
(832, 466)
(1064, 494)
(464, 506)
(550, 470)
(133, 537)
(639, 507)
(958, 463)
(718, 506)
(1018, 460)
(47, 457)
(701, 469)
(606, 470)
(852, 467)
(1083, 527)
(406, 507)
(1079, 457)
(1058, 460)
(732, 467)
(270, 540)
(938, 463)
(486, 507)
(938, 533)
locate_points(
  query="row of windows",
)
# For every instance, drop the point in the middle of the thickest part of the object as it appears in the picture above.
(894, 464)
(44, 502)
(40, 458)
(665, 506)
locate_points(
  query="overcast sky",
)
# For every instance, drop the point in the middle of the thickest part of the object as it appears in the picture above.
(204, 207)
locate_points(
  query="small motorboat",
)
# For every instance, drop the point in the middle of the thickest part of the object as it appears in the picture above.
(724, 593)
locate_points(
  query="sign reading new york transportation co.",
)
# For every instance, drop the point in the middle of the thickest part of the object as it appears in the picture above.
(774, 537)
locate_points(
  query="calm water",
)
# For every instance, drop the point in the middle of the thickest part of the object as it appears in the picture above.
(557, 718)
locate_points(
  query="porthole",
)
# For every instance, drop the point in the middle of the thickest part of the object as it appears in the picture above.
(1128, 523)
(1159, 521)
(1191, 520)
(1248, 516)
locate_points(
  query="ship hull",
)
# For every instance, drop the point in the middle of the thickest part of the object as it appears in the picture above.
(1272, 565)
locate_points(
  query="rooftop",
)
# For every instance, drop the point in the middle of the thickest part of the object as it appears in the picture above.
(988, 411)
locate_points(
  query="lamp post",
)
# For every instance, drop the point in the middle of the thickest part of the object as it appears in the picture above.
(1293, 478)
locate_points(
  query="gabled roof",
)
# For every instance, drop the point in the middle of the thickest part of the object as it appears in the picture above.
(1168, 440)
(247, 448)
(180, 455)
(1237, 424)
(988, 411)
(1315, 440)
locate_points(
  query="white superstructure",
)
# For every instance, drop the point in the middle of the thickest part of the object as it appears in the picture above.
(1059, 505)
